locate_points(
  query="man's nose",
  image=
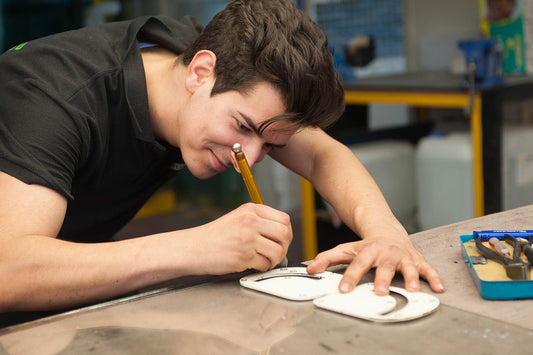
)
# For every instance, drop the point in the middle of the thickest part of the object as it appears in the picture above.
(254, 152)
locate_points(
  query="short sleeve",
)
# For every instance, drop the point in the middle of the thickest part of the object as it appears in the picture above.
(41, 141)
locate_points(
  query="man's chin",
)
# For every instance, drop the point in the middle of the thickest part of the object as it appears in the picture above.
(203, 174)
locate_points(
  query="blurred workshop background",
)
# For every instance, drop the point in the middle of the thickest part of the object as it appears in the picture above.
(421, 151)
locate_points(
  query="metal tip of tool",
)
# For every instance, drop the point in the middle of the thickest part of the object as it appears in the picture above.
(283, 263)
(236, 148)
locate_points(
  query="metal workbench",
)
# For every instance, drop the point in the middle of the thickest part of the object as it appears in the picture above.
(217, 316)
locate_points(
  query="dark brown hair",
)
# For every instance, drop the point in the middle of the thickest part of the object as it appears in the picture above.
(274, 41)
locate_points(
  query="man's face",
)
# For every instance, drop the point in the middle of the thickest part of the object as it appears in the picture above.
(209, 126)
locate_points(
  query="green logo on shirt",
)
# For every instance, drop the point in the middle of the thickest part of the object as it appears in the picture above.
(18, 47)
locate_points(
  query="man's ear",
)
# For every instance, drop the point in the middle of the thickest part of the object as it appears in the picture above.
(200, 70)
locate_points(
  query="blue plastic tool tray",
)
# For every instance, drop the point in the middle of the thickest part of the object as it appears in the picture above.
(496, 290)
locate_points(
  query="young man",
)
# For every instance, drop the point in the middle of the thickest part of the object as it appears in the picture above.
(91, 125)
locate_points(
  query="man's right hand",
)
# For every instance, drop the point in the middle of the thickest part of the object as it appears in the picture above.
(253, 236)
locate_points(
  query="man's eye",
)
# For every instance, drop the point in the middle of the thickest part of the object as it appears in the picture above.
(242, 127)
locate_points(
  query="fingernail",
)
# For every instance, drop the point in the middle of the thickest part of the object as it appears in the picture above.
(381, 289)
(344, 287)
(413, 285)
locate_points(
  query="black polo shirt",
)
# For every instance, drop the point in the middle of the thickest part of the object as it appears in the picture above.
(74, 117)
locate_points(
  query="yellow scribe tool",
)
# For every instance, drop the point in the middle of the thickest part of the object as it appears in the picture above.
(247, 176)
(250, 183)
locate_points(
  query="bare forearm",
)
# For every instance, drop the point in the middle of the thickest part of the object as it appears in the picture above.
(361, 205)
(46, 273)
(346, 184)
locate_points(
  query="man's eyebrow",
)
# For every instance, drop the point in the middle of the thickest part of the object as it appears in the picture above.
(251, 124)
(256, 130)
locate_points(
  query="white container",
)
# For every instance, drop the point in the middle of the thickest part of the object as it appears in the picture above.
(517, 169)
(444, 180)
(445, 177)
(392, 165)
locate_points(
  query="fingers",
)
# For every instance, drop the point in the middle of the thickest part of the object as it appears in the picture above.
(269, 222)
(432, 277)
(361, 257)
(249, 237)
(260, 262)
(364, 261)
(270, 234)
(388, 259)
(268, 254)
(384, 275)
(343, 253)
